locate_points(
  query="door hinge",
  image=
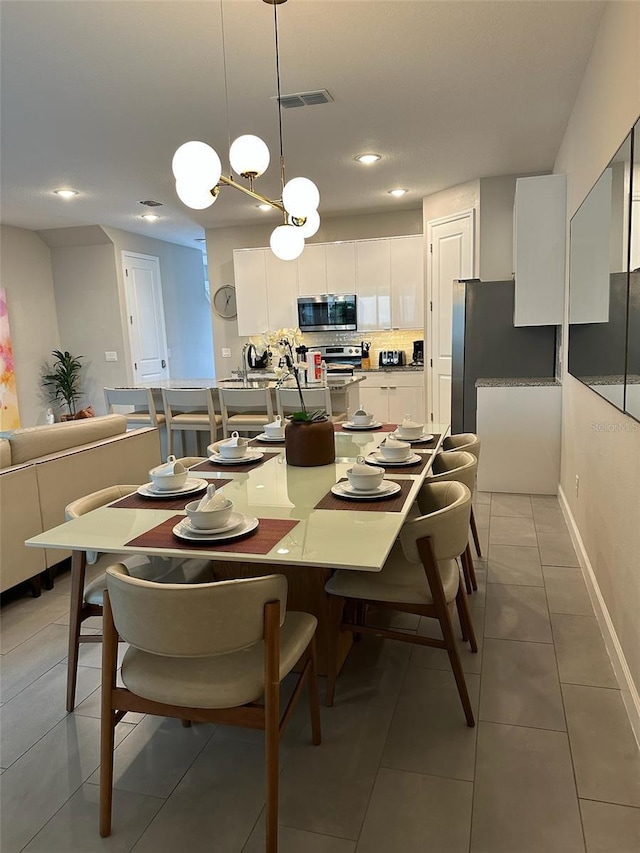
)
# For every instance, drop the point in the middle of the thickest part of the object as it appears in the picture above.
(135, 365)
(126, 272)
(131, 319)
(431, 248)
(431, 416)
(430, 305)
(430, 362)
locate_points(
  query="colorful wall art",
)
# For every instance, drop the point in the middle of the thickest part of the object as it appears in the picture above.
(9, 416)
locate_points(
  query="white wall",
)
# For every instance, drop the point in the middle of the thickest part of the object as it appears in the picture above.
(222, 241)
(599, 443)
(25, 273)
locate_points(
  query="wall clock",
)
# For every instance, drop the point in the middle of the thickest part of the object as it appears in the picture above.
(224, 301)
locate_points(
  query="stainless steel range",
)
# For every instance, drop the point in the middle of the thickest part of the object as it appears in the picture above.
(341, 359)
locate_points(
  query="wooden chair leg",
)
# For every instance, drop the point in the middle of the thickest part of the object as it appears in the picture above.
(463, 624)
(456, 666)
(474, 532)
(335, 610)
(78, 568)
(272, 723)
(465, 573)
(107, 717)
(465, 617)
(314, 701)
(471, 567)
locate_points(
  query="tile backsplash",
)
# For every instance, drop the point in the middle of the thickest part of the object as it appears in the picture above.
(400, 339)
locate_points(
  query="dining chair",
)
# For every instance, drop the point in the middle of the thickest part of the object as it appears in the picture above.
(190, 409)
(461, 466)
(245, 409)
(205, 653)
(141, 399)
(470, 442)
(86, 599)
(420, 576)
(288, 401)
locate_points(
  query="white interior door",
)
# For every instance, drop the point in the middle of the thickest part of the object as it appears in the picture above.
(451, 258)
(145, 313)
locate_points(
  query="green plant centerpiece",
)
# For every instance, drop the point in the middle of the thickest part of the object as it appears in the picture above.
(64, 380)
(308, 436)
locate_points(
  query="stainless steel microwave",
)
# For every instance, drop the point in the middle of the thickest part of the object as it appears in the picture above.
(329, 312)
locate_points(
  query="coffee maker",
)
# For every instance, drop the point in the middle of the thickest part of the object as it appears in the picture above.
(418, 353)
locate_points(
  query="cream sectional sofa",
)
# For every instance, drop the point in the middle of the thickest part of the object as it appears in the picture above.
(42, 469)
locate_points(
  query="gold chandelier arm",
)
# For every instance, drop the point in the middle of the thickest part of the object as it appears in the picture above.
(231, 183)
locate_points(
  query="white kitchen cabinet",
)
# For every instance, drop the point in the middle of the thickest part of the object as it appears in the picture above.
(341, 267)
(407, 282)
(282, 292)
(312, 270)
(390, 395)
(373, 268)
(539, 250)
(251, 291)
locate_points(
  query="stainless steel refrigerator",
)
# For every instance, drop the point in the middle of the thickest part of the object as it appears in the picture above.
(486, 345)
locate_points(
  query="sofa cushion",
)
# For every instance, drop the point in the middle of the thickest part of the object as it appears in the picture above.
(5, 453)
(33, 442)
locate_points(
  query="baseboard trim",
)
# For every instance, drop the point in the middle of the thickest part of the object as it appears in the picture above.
(629, 691)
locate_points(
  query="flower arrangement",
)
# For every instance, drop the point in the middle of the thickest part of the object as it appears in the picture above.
(283, 342)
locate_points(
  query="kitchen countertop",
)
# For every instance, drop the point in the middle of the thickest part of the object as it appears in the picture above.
(521, 382)
(406, 368)
(334, 383)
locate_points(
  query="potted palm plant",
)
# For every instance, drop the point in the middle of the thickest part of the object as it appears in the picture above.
(64, 381)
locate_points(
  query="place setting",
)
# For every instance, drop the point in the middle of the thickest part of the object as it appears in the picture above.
(366, 487)
(414, 433)
(170, 484)
(393, 453)
(273, 434)
(360, 421)
(231, 454)
(212, 519)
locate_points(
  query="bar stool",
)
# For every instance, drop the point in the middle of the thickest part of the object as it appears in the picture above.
(460, 467)
(144, 415)
(190, 409)
(420, 576)
(470, 442)
(288, 401)
(86, 601)
(245, 409)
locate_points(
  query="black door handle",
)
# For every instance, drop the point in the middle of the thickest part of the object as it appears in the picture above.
(164, 363)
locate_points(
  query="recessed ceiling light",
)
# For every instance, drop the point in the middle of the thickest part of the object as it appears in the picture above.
(264, 207)
(398, 192)
(368, 159)
(66, 193)
(150, 217)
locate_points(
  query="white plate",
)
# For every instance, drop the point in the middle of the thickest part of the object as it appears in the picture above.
(424, 437)
(235, 519)
(267, 438)
(376, 458)
(384, 490)
(250, 456)
(351, 425)
(248, 524)
(148, 491)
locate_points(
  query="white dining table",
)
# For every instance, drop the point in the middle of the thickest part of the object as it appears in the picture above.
(318, 541)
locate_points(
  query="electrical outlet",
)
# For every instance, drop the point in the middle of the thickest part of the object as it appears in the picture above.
(577, 485)
(111, 356)
(226, 353)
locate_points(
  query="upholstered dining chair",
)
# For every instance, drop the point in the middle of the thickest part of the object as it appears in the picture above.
(205, 653)
(288, 401)
(245, 409)
(420, 576)
(470, 442)
(141, 399)
(190, 409)
(462, 467)
(86, 599)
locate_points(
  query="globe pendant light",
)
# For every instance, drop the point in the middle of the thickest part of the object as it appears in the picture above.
(286, 242)
(300, 197)
(249, 156)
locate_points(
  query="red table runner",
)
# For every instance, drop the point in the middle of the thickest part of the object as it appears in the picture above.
(232, 469)
(262, 444)
(260, 541)
(137, 501)
(390, 504)
(381, 428)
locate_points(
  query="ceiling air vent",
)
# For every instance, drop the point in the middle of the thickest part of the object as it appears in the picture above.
(151, 203)
(305, 99)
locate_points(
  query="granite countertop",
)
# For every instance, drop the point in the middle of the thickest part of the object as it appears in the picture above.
(631, 379)
(334, 382)
(406, 368)
(522, 382)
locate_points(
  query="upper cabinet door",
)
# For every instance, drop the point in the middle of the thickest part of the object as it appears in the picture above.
(282, 292)
(407, 282)
(373, 264)
(341, 267)
(312, 270)
(539, 248)
(251, 290)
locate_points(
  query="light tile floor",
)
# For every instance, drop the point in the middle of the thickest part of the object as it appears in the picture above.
(551, 767)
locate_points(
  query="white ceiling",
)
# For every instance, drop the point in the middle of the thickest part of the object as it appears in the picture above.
(98, 94)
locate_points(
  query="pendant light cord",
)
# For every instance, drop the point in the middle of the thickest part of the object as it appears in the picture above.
(275, 26)
(226, 88)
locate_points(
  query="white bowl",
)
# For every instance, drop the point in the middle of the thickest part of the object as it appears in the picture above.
(366, 482)
(409, 431)
(274, 431)
(395, 453)
(229, 451)
(210, 519)
(166, 481)
(362, 418)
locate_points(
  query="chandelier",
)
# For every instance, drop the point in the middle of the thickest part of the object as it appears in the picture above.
(198, 172)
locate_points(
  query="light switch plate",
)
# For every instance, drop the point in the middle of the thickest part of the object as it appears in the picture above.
(226, 353)
(111, 356)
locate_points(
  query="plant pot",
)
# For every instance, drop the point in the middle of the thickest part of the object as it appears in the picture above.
(309, 443)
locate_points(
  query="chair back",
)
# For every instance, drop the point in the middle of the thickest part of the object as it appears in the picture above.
(458, 465)
(187, 401)
(245, 400)
(446, 509)
(142, 398)
(192, 620)
(468, 441)
(288, 400)
(95, 500)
